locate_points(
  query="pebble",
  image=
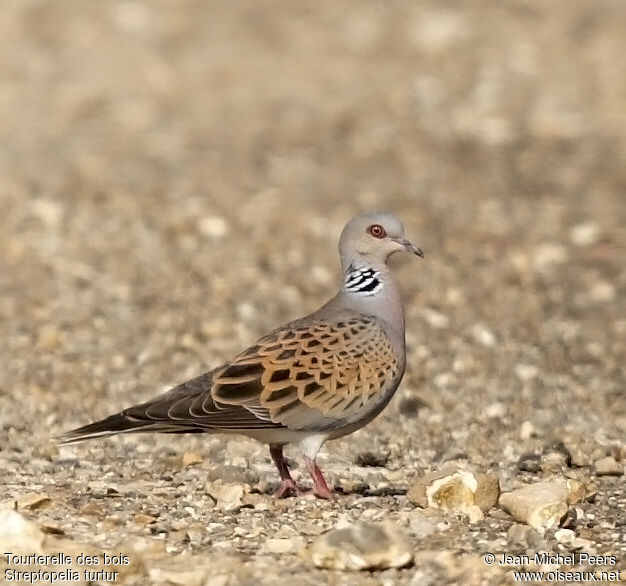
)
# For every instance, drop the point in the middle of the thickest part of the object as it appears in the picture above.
(33, 501)
(554, 461)
(602, 291)
(541, 505)
(581, 543)
(422, 578)
(547, 255)
(92, 509)
(584, 234)
(374, 459)
(227, 497)
(527, 430)
(526, 372)
(495, 410)
(608, 466)
(564, 536)
(190, 459)
(362, 546)
(456, 489)
(420, 526)
(229, 474)
(282, 545)
(213, 227)
(18, 534)
(483, 335)
(579, 458)
(49, 338)
(435, 319)
(529, 462)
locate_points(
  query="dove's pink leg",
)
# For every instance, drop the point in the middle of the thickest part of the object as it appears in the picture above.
(320, 488)
(287, 485)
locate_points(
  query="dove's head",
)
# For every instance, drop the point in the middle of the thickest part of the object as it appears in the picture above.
(372, 238)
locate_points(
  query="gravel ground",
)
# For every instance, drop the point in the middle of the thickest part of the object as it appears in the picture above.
(173, 180)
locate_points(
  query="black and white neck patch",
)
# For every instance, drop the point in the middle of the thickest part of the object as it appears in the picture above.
(362, 280)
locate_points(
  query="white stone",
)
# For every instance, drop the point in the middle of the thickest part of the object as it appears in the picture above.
(541, 505)
(18, 534)
(213, 227)
(483, 335)
(526, 372)
(495, 410)
(280, 546)
(608, 466)
(584, 234)
(362, 546)
(434, 318)
(549, 254)
(564, 535)
(527, 430)
(227, 496)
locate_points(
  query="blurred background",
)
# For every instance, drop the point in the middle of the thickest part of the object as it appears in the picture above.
(174, 177)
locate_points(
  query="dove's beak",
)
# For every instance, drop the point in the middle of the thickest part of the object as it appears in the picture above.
(410, 247)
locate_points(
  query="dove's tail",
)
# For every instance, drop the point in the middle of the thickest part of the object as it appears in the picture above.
(117, 424)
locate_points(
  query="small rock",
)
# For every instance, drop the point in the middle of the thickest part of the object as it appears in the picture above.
(580, 543)
(584, 234)
(455, 489)
(570, 519)
(281, 546)
(191, 458)
(32, 501)
(49, 338)
(353, 485)
(227, 497)
(526, 372)
(541, 505)
(144, 519)
(422, 578)
(48, 450)
(194, 534)
(213, 227)
(517, 534)
(554, 462)
(421, 526)
(526, 536)
(547, 255)
(488, 491)
(602, 291)
(52, 528)
(608, 466)
(483, 335)
(527, 430)
(579, 458)
(259, 502)
(564, 535)
(580, 491)
(411, 405)
(435, 319)
(18, 534)
(529, 462)
(180, 575)
(375, 459)
(92, 509)
(228, 474)
(495, 410)
(475, 515)
(362, 546)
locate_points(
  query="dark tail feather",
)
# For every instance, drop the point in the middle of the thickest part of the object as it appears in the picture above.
(112, 425)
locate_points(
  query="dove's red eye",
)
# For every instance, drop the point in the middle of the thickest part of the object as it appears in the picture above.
(377, 231)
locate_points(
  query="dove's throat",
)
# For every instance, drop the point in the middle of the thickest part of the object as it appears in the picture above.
(372, 290)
